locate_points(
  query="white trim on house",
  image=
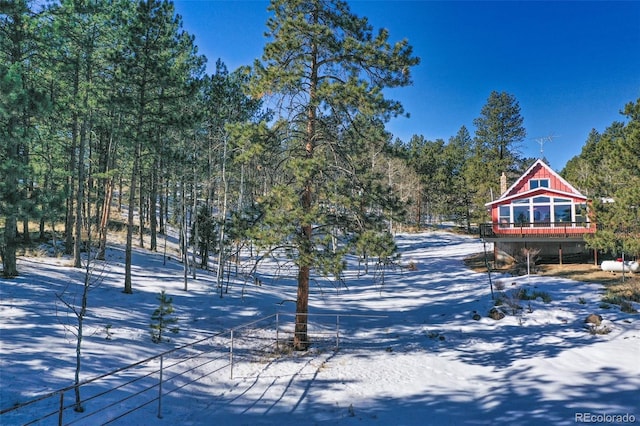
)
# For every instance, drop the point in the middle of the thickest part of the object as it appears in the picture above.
(533, 192)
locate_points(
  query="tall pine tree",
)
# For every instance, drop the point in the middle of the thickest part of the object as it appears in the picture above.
(327, 67)
(21, 102)
(499, 130)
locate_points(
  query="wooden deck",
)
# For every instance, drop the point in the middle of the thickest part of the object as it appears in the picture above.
(542, 231)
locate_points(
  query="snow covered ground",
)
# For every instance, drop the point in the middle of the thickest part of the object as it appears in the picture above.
(410, 351)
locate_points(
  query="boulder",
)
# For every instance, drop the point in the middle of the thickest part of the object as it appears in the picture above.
(593, 319)
(496, 314)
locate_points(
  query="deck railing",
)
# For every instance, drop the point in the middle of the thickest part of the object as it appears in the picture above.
(536, 229)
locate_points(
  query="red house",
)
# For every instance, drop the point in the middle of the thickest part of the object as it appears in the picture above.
(540, 210)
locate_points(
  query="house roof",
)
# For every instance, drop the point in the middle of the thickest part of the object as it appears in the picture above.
(511, 193)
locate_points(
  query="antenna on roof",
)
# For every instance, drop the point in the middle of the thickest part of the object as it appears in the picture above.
(545, 139)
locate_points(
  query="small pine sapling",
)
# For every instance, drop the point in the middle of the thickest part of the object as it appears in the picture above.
(162, 319)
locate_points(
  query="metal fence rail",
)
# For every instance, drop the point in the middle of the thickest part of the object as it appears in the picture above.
(115, 395)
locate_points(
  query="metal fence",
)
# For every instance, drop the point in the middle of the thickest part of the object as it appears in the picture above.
(113, 396)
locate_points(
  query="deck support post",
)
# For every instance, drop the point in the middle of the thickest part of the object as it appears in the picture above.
(560, 253)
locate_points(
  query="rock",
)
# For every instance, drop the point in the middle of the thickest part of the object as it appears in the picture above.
(594, 319)
(496, 314)
(476, 317)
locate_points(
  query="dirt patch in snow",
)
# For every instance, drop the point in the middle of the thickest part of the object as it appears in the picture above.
(587, 272)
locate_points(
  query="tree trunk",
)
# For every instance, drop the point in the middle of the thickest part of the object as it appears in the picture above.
(223, 221)
(81, 315)
(104, 219)
(26, 238)
(120, 193)
(69, 246)
(161, 203)
(153, 197)
(8, 251)
(132, 201)
(300, 339)
(77, 246)
(183, 238)
(141, 208)
(107, 160)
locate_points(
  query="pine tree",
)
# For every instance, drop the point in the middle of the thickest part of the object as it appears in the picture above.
(160, 70)
(499, 130)
(21, 102)
(162, 319)
(613, 160)
(457, 191)
(328, 68)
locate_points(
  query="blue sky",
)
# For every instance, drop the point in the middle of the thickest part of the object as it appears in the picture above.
(572, 66)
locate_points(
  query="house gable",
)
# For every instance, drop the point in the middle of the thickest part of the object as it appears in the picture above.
(539, 173)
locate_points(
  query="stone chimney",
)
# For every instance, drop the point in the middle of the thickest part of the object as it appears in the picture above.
(503, 183)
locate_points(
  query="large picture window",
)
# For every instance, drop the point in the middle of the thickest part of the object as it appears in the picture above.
(521, 214)
(542, 214)
(542, 211)
(562, 213)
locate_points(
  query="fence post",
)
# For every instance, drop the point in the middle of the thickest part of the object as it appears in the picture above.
(160, 389)
(231, 355)
(337, 332)
(61, 408)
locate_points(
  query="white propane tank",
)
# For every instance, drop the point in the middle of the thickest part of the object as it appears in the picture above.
(618, 266)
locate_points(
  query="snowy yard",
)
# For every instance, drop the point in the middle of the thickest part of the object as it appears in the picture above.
(411, 352)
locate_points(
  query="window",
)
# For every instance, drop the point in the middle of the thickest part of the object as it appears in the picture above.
(521, 214)
(538, 183)
(542, 211)
(504, 213)
(562, 213)
(581, 213)
(542, 215)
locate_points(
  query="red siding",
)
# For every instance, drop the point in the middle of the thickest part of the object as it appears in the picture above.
(540, 172)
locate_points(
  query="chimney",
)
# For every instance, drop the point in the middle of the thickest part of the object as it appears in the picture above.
(503, 183)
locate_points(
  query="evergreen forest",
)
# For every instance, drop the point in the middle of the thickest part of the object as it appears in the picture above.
(109, 121)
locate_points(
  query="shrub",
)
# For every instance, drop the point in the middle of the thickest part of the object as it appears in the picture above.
(611, 298)
(601, 329)
(629, 289)
(627, 307)
(523, 294)
(511, 299)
